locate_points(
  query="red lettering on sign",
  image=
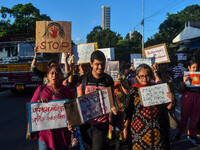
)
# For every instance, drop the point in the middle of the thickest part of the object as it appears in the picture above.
(43, 45)
(55, 45)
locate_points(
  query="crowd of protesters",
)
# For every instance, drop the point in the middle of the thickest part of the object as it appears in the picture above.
(140, 127)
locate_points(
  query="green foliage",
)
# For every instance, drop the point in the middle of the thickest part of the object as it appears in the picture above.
(128, 46)
(25, 17)
(104, 38)
(173, 25)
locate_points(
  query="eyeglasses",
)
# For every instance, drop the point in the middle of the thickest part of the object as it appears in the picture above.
(142, 76)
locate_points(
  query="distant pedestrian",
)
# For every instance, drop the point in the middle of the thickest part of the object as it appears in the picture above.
(190, 107)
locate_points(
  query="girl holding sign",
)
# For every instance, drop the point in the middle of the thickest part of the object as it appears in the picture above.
(148, 126)
(190, 104)
(54, 90)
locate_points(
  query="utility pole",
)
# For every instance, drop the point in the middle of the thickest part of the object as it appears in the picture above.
(143, 27)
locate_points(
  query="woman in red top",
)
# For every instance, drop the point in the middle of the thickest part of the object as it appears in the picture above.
(54, 90)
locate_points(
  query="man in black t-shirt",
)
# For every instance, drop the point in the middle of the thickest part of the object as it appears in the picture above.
(94, 132)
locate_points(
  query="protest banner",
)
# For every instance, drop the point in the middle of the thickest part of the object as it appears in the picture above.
(89, 106)
(139, 61)
(158, 51)
(134, 56)
(193, 79)
(112, 69)
(182, 56)
(45, 116)
(53, 36)
(109, 53)
(154, 95)
(83, 52)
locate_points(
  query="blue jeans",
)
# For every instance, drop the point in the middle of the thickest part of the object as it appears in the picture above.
(42, 146)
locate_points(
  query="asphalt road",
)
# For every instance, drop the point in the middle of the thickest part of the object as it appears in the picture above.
(13, 125)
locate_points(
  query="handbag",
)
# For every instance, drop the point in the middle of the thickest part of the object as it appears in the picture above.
(173, 121)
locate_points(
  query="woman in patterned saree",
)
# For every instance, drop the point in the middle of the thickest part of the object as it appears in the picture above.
(148, 127)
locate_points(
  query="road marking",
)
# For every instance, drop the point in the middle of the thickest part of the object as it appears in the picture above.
(178, 111)
(3, 92)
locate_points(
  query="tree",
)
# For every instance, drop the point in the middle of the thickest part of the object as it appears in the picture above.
(127, 46)
(24, 16)
(173, 25)
(104, 38)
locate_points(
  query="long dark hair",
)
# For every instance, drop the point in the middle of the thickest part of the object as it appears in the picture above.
(61, 31)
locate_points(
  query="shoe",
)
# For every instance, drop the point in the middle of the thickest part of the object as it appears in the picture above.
(178, 135)
(194, 140)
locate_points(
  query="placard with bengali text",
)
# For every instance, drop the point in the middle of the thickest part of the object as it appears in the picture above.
(154, 95)
(45, 116)
(158, 51)
(89, 106)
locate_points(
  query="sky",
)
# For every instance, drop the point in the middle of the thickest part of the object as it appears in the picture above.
(126, 15)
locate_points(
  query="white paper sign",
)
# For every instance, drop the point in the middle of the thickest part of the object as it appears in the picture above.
(154, 95)
(84, 52)
(158, 51)
(109, 53)
(140, 61)
(135, 56)
(93, 105)
(193, 79)
(45, 116)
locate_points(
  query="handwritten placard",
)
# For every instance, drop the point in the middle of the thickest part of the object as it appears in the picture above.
(139, 61)
(53, 36)
(109, 53)
(112, 69)
(158, 51)
(193, 79)
(45, 116)
(84, 52)
(135, 56)
(154, 95)
(89, 106)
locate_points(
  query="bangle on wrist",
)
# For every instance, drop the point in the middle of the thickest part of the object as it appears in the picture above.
(34, 57)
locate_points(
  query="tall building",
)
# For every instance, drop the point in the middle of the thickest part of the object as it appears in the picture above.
(105, 11)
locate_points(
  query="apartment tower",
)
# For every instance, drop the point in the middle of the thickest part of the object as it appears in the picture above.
(105, 11)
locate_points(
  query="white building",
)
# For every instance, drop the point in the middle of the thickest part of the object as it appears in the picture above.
(105, 11)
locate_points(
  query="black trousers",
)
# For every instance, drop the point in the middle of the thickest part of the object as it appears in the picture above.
(94, 136)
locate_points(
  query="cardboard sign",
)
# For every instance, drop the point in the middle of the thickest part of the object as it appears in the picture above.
(109, 53)
(154, 95)
(135, 56)
(89, 106)
(158, 51)
(112, 69)
(139, 61)
(45, 116)
(182, 56)
(53, 36)
(193, 79)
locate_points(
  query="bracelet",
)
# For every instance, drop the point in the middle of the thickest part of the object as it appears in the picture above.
(125, 129)
(34, 57)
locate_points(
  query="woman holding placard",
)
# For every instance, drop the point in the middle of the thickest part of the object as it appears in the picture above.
(54, 90)
(148, 126)
(190, 104)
